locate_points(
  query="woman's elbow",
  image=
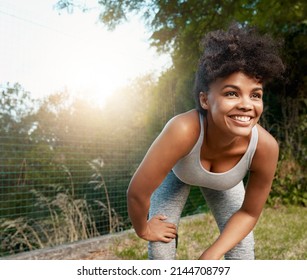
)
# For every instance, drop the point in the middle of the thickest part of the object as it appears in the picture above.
(137, 196)
(131, 193)
(134, 194)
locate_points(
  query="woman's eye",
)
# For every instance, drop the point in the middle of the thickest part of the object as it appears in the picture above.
(231, 93)
(256, 95)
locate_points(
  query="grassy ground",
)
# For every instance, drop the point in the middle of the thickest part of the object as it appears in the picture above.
(281, 234)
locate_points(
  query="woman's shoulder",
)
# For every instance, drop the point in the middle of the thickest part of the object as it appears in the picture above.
(267, 149)
(265, 139)
(186, 124)
(184, 128)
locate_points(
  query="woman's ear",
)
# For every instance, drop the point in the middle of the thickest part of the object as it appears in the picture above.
(203, 99)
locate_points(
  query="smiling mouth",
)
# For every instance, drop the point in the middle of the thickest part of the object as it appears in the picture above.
(243, 119)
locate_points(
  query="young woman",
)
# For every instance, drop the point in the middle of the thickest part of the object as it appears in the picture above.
(213, 146)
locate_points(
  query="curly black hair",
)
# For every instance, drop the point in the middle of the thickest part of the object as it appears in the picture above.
(238, 49)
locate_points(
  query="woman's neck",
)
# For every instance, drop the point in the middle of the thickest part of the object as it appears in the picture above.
(215, 139)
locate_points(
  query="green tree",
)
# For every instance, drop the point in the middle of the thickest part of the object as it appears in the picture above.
(16, 104)
(16, 110)
(178, 26)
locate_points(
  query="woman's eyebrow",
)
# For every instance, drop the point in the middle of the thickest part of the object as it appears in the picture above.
(231, 86)
(257, 88)
(238, 88)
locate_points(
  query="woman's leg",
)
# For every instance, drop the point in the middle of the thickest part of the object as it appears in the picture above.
(223, 205)
(169, 200)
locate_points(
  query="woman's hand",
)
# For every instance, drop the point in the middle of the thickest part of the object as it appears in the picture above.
(159, 230)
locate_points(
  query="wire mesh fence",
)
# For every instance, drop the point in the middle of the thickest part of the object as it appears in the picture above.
(65, 163)
(68, 188)
(55, 194)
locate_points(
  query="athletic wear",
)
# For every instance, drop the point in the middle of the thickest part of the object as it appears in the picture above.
(170, 198)
(223, 192)
(190, 171)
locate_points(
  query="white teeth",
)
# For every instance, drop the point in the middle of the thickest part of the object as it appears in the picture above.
(241, 118)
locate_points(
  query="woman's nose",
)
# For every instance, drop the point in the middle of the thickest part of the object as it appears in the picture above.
(245, 104)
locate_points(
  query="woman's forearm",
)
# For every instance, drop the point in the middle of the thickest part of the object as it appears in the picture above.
(138, 212)
(236, 229)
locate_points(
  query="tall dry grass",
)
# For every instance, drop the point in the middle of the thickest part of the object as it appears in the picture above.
(69, 218)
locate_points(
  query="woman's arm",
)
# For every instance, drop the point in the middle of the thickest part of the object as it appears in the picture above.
(175, 141)
(257, 190)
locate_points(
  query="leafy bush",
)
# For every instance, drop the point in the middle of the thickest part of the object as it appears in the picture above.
(290, 184)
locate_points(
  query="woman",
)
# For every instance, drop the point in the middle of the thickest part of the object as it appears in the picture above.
(213, 146)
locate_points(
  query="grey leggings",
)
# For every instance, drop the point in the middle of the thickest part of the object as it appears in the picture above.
(170, 198)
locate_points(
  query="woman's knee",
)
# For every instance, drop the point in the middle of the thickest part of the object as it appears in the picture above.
(162, 251)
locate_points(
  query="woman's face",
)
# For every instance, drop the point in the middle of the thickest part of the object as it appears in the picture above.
(234, 104)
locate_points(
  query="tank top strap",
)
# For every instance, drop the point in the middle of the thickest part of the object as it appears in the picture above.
(201, 120)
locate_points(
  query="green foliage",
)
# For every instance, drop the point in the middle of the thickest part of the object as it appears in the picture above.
(15, 104)
(290, 184)
(178, 27)
(54, 183)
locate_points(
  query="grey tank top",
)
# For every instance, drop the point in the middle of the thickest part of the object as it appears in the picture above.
(190, 171)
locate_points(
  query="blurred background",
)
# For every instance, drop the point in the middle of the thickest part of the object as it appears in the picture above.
(86, 86)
